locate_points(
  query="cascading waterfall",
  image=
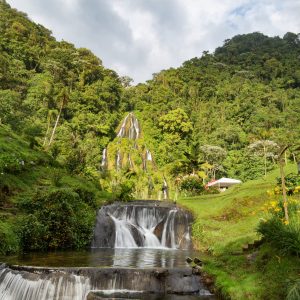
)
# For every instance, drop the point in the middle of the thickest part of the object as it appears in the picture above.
(130, 127)
(148, 155)
(118, 161)
(104, 158)
(135, 226)
(29, 286)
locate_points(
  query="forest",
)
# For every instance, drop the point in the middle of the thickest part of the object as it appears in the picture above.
(221, 114)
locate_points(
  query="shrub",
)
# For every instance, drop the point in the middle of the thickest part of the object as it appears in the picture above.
(192, 185)
(124, 191)
(9, 242)
(293, 291)
(292, 183)
(58, 219)
(284, 237)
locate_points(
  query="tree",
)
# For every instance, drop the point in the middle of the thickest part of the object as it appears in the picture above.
(213, 155)
(266, 149)
(64, 97)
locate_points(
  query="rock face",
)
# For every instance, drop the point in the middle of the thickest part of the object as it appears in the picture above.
(77, 283)
(104, 231)
(151, 224)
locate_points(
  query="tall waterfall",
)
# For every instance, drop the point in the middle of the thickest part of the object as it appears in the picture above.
(135, 226)
(130, 127)
(104, 158)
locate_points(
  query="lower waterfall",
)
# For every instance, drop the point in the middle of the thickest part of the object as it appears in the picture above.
(147, 243)
(140, 225)
(29, 286)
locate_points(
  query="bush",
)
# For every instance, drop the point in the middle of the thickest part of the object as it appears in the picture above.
(10, 163)
(192, 185)
(292, 183)
(284, 237)
(9, 242)
(124, 191)
(293, 291)
(58, 219)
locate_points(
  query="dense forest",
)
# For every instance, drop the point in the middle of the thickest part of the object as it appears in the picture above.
(225, 113)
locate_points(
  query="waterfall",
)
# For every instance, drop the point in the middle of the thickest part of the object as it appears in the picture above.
(130, 127)
(32, 286)
(124, 238)
(136, 226)
(122, 130)
(104, 158)
(168, 231)
(130, 161)
(165, 190)
(118, 161)
(148, 155)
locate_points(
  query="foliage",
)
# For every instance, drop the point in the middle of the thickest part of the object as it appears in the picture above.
(56, 218)
(284, 237)
(292, 183)
(124, 191)
(192, 185)
(224, 223)
(293, 292)
(9, 242)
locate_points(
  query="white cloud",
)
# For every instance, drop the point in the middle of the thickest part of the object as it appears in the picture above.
(141, 37)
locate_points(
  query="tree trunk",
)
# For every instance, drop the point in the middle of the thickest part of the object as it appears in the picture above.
(265, 160)
(56, 123)
(47, 131)
(283, 187)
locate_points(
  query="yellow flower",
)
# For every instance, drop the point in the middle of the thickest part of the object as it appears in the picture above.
(285, 222)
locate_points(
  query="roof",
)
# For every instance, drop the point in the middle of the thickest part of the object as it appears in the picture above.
(224, 182)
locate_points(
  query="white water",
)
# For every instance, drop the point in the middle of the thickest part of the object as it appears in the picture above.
(104, 158)
(132, 131)
(148, 155)
(118, 161)
(129, 222)
(35, 287)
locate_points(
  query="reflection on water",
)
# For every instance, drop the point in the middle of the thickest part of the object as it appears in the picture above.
(105, 257)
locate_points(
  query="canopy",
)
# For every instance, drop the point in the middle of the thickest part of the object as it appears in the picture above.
(224, 182)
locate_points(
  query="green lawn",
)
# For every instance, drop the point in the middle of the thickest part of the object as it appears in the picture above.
(227, 221)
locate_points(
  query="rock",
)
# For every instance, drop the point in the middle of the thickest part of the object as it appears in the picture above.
(159, 229)
(137, 235)
(189, 260)
(104, 232)
(252, 257)
(198, 261)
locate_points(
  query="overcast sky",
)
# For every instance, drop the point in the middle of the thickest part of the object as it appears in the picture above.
(141, 37)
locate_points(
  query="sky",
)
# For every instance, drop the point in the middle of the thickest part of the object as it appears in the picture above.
(140, 37)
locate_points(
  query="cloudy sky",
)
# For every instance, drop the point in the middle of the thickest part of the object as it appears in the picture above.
(140, 37)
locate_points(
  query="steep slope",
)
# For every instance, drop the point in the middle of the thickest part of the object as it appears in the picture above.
(42, 206)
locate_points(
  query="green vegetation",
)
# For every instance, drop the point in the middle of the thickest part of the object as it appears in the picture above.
(226, 222)
(226, 113)
(42, 206)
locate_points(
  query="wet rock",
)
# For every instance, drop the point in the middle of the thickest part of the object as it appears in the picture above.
(159, 230)
(198, 261)
(104, 231)
(189, 260)
(137, 235)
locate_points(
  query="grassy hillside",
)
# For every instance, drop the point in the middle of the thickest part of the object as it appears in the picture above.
(224, 224)
(28, 178)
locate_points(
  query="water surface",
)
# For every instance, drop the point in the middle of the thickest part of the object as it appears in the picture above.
(105, 257)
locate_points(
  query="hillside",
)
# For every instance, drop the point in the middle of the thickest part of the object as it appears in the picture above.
(42, 206)
(224, 224)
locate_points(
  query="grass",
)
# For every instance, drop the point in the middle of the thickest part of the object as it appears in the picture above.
(23, 180)
(224, 223)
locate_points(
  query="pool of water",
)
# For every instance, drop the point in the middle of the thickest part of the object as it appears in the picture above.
(105, 257)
